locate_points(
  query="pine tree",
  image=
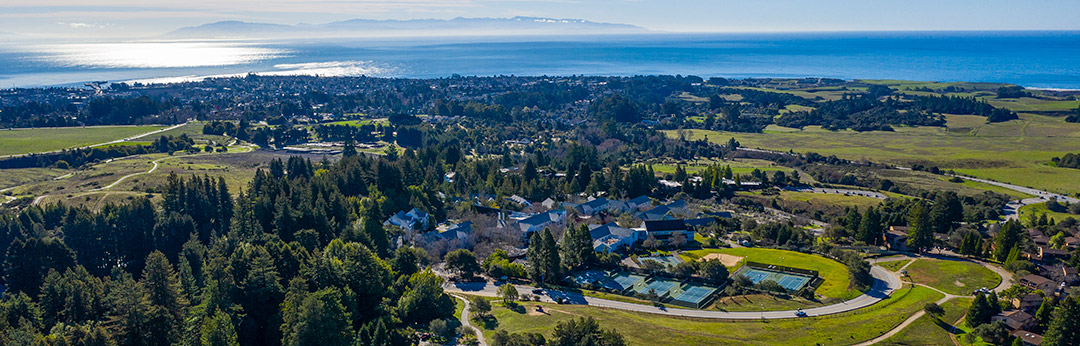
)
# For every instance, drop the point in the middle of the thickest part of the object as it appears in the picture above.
(979, 312)
(167, 300)
(1064, 329)
(219, 331)
(921, 232)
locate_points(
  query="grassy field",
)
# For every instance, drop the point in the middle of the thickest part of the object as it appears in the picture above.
(954, 277)
(25, 141)
(738, 166)
(835, 274)
(649, 329)
(928, 330)
(1015, 151)
(894, 265)
(830, 199)
(762, 302)
(1039, 209)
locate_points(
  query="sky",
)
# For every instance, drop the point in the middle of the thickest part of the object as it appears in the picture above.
(150, 18)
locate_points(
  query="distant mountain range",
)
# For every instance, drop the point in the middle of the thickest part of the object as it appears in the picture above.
(516, 26)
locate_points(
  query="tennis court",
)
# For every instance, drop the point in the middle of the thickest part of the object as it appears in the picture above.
(667, 261)
(788, 281)
(695, 295)
(660, 286)
(589, 277)
(622, 281)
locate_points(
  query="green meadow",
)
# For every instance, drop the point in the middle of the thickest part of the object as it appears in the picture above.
(36, 140)
(1015, 151)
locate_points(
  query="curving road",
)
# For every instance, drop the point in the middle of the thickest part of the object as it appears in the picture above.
(885, 283)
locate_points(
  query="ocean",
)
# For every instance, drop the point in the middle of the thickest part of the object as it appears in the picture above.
(1032, 59)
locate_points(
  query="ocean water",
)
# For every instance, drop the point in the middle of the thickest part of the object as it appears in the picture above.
(1032, 59)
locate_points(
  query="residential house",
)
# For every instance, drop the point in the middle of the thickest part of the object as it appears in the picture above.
(612, 238)
(415, 220)
(598, 205)
(896, 238)
(520, 200)
(666, 229)
(539, 221)
(1030, 302)
(1028, 338)
(450, 231)
(549, 203)
(1015, 319)
(639, 203)
(1037, 282)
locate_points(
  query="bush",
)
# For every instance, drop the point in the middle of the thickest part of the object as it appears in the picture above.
(444, 328)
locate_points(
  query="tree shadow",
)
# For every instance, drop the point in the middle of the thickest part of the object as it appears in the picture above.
(487, 322)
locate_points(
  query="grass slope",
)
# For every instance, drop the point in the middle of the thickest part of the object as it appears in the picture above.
(928, 330)
(954, 277)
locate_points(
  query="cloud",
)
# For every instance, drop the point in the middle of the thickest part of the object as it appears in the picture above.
(84, 25)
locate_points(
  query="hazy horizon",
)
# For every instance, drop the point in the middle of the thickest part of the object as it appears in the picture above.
(132, 19)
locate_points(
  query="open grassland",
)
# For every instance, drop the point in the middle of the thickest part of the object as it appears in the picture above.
(1039, 209)
(934, 182)
(1015, 151)
(194, 130)
(928, 330)
(738, 166)
(954, 277)
(21, 176)
(649, 329)
(26, 141)
(836, 281)
(830, 199)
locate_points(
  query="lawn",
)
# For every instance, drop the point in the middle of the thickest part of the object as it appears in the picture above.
(894, 265)
(36, 140)
(1014, 151)
(835, 275)
(928, 330)
(650, 329)
(954, 277)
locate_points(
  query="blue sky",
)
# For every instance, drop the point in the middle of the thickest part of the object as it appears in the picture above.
(148, 18)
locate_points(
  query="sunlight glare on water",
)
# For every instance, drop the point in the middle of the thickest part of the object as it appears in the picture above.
(156, 54)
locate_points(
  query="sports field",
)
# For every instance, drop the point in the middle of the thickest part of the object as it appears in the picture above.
(36, 140)
(788, 281)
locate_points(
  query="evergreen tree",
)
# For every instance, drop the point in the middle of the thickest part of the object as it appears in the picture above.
(979, 312)
(317, 318)
(166, 298)
(219, 331)
(1007, 239)
(870, 228)
(1064, 328)
(921, 232)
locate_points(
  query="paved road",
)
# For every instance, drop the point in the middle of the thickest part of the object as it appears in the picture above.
(1044, 195)
(102, 144)
(884, 284)
(467, 321)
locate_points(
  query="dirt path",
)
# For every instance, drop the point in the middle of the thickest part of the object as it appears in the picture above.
(466, 321)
